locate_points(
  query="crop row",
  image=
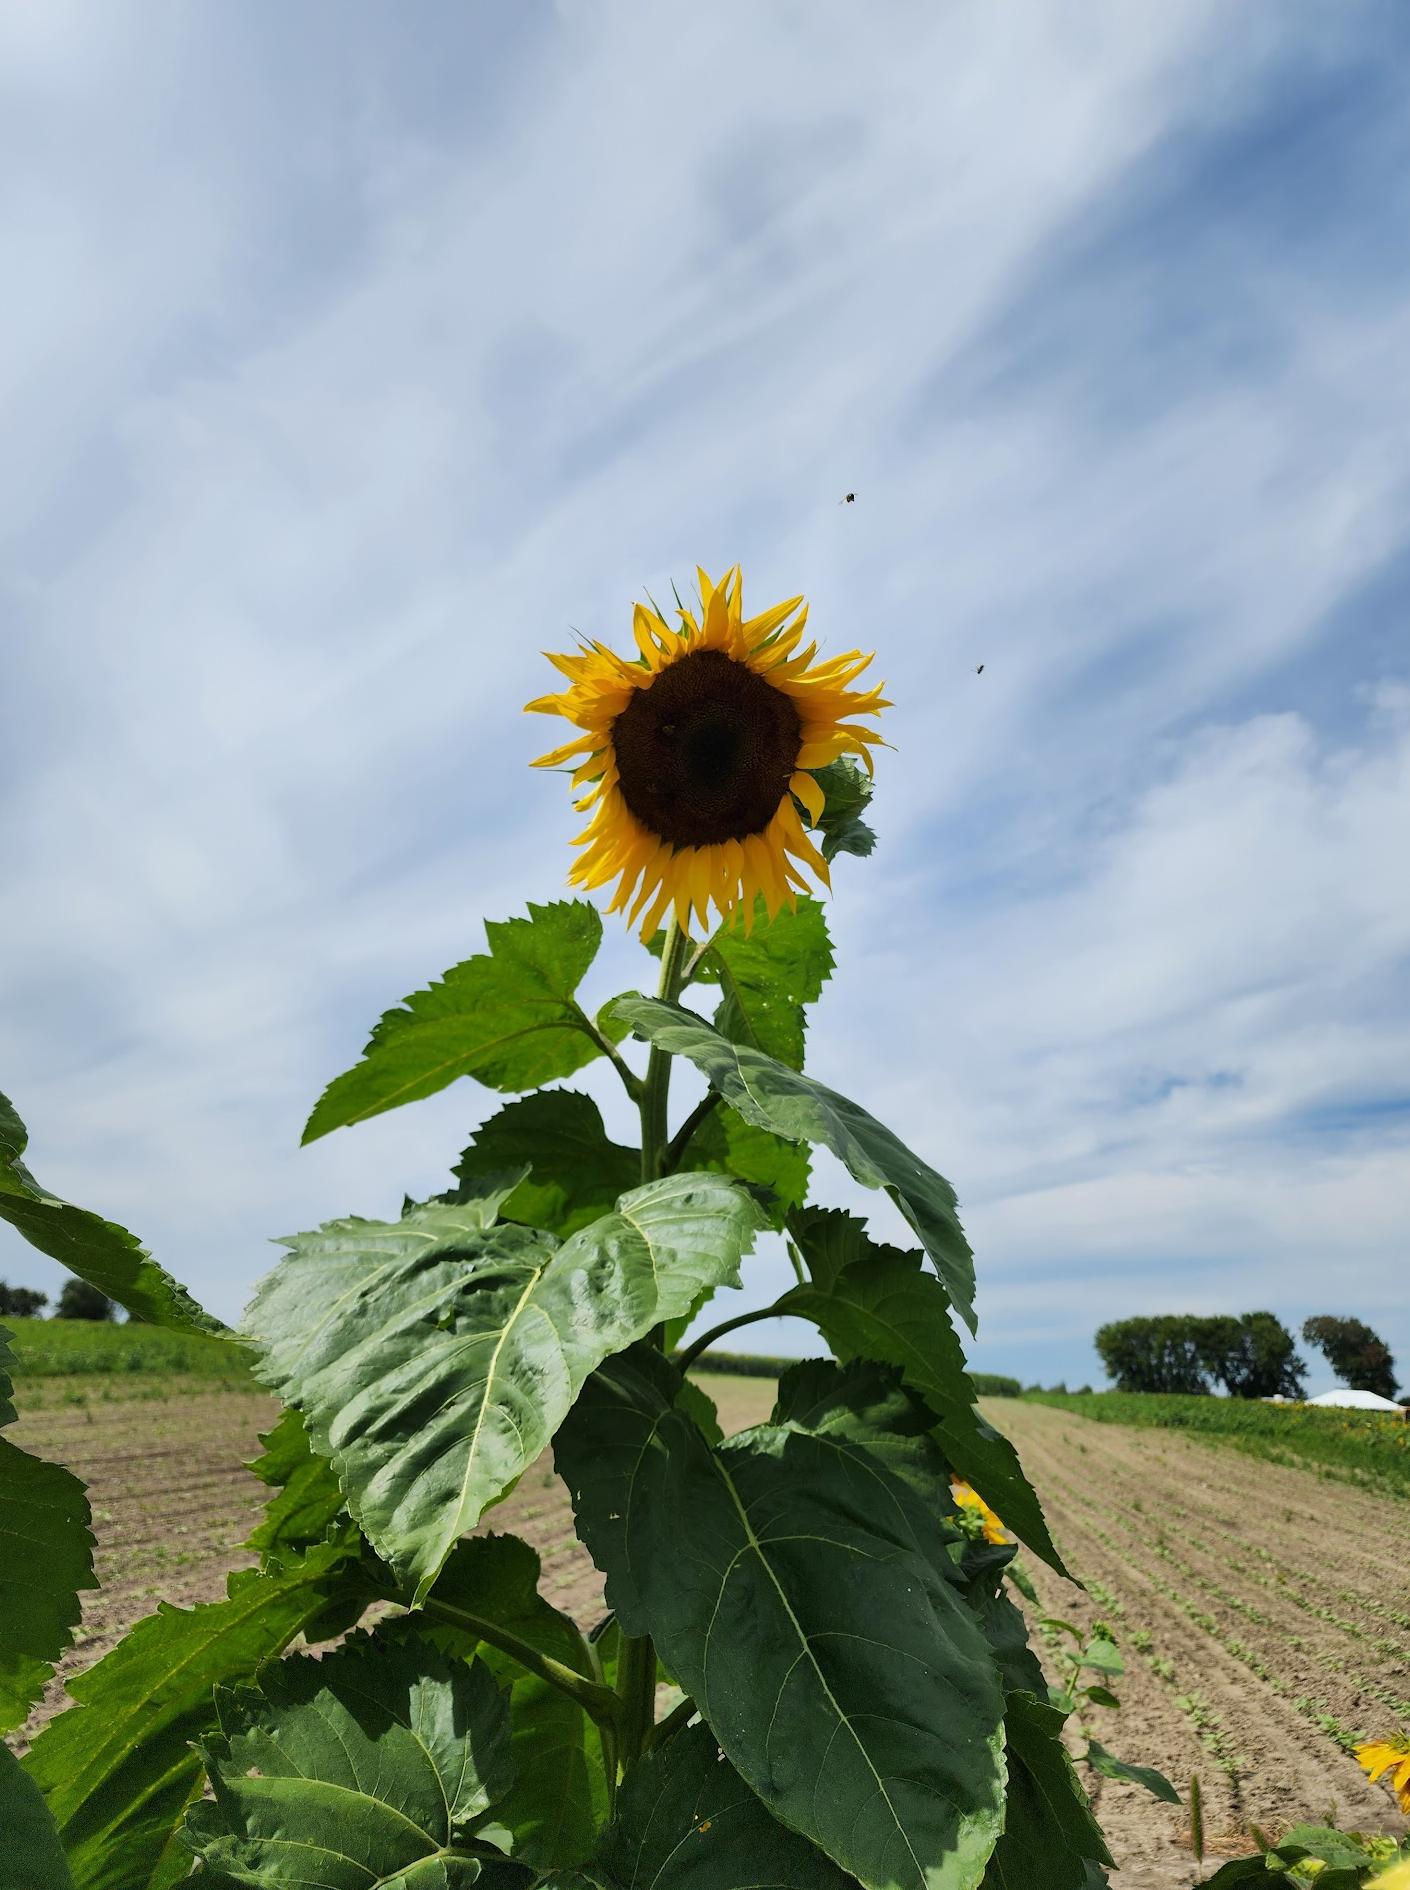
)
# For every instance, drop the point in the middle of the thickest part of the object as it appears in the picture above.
(1316, 1712)
(1367, 1448)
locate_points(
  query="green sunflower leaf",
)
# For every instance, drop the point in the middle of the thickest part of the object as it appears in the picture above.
(846, 795)
(1345, 1862)
(768, 977)
(548, 1817)
(1109, 1766)
(1003, 1624)
(306, 1501)
(434, 1357)
(116, 1768)
(365, 1768)
(865, 1405)
(830, 1241)
(508, 1017)
(1240, 1871)
(803, 1596)
(726, 1144)
(685, 1817)
(1104, 1655)
(46, 1556)
(1050, 1835)
(576, 1172)
(879, 1302)
(33, 1853)
(772, 1096)
(98, 1251)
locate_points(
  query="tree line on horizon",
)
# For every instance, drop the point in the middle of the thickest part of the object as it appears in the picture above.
(1249, 1355)
(78, 1300)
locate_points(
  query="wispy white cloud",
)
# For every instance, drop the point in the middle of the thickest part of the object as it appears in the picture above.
(348, 373)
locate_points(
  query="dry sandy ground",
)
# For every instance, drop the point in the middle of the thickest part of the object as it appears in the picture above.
(1264, 1612)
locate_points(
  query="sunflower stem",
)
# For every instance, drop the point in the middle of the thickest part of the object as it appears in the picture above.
(636, 1670)
(680, 1141)
(656, 1090)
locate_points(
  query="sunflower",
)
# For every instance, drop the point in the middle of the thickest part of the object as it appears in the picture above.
(699, 756)
(971, 1501)
(1388, 1756)
(1396, 1878)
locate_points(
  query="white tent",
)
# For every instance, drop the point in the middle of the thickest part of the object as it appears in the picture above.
(1359, 1401)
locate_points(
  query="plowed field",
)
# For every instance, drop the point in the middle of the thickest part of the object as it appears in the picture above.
(1264, 1612)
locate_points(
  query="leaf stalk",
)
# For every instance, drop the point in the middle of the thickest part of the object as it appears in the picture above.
(599, 1702)
(680, 1141)
(678, 1717)
(685, 1359)
(631, 1082)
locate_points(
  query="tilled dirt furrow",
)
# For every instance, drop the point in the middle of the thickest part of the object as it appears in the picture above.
(233, 1521)
(1256, 1756)
(1369, 1563)
(1224, 1489)
(1348, 1675)
(142, 1426)
(1185, 1544)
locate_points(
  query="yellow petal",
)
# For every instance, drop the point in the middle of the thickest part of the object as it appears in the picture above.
(651, 923)
(809, 793)
(797, 841)
(585, 744)
(760, 628)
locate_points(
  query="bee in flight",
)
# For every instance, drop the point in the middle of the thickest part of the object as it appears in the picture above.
(848, 498)
(980, 670)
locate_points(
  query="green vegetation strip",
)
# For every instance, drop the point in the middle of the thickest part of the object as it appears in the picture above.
(763, 1365)
(1363, 1447)
(62, 1348)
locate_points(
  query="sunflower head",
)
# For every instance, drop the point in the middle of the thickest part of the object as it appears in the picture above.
(977, 1513)
(697, 756)
(1388, 1759)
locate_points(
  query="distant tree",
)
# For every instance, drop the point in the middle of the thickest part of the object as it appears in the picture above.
(1252, 1356)
(79, 1300)
(1161, 1353)
(21, 1302)
(1355, 1353)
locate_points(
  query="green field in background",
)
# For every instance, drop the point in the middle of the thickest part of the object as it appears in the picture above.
(55, 1348)
(1367, 1447)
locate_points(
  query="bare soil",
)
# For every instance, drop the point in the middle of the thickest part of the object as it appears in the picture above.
(1264, 1615)
(1264, 1612)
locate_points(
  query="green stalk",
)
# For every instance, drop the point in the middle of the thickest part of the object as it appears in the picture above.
(679, 1144)
(636, 1670)
(678, 1716)
(631, 1082)
(599, 1702)
(656, 1088)
(636, 1699)
(684, 1360)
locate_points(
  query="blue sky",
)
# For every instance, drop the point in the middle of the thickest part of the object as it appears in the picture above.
(345, 365)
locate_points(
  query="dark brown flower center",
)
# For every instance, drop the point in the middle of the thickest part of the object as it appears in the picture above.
(706, 751)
